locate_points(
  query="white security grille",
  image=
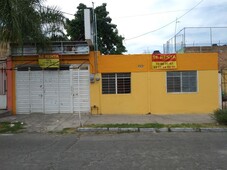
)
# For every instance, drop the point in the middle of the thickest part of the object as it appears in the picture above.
(52, 91)
(185, 81)
(81, 90)
(116, 83)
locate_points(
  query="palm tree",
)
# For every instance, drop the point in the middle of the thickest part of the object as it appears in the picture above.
(29, 21)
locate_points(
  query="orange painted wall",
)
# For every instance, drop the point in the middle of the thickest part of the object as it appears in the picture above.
(10, 85)
(148, 86)
(142, 63)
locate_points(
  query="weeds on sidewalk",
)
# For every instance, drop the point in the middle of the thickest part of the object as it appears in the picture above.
(11, 127)
(157, 125)
(220, 115)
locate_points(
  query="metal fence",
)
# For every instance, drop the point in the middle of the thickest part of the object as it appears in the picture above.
(196, 37)
(64, 47)
(224, 88)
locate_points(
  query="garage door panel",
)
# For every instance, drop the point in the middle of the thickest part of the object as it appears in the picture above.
(22, 92)
(65, 98)
(36, 91)
(81, 91)
(52, 91)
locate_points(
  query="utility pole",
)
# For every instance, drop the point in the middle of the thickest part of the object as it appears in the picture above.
(95, 39)
(175, 36)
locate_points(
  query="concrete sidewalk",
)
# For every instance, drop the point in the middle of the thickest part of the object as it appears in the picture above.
(151, 118)
(43, 123)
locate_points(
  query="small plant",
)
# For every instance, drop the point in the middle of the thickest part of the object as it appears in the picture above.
(224, 96)
(11, 127)
(130, 125)
(220, 115)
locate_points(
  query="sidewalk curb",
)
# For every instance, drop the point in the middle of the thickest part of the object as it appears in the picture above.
(92, 129)
(88, 129)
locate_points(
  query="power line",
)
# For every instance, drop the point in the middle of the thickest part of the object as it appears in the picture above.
(139, 15)
(154, 13)
(166, 24)
(160, 12)
(54, 9)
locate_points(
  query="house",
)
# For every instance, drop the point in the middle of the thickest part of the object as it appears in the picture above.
(162, 84)
(68, 78)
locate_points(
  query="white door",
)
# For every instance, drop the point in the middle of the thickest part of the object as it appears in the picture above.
(81, 89)
(22, 92)
(36, 91)
(53, 91)
(65, 92)
(3, 98)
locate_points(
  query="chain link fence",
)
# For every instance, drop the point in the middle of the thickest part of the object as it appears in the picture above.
(224, 88)
(196, 37)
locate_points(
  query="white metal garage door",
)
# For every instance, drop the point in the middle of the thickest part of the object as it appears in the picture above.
(53, 91)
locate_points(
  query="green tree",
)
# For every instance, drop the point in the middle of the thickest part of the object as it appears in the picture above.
(29, 21)
(109, 42)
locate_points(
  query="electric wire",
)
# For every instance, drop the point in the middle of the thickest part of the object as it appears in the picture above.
(162, 12)
(166, 24)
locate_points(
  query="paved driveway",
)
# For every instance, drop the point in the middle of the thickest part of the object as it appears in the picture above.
(38, 122)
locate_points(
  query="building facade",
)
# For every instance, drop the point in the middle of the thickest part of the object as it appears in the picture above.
(137, 84)
(4, 52)
(87, 82)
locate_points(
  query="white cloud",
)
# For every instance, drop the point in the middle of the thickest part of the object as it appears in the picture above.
(134, 18)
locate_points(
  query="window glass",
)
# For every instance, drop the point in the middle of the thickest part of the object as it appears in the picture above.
(185, 81)
(116, 83)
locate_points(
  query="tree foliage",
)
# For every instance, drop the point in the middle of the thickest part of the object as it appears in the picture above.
(109, 42)
(28, 20)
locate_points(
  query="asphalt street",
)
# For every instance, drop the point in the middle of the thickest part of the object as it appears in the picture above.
(114, 151)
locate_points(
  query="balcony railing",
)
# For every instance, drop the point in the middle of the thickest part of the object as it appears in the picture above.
(63, 48)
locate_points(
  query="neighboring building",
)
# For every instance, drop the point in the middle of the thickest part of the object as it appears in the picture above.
(67, 81)
(51, 80)
(221, 50)
(4, 52)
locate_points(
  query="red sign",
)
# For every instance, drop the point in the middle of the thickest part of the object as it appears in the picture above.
(164, 61)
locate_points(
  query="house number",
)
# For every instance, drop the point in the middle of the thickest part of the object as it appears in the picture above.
(140, 66)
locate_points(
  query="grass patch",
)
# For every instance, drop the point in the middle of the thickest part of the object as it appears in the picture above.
(67, 131)
(220, 116)
(11, 127)
(157, 125)
(197, 125)
(127, 125)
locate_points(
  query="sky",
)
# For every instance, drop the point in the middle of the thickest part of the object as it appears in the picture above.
(148, 24)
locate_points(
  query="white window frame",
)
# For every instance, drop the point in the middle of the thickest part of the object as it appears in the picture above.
(116, 78)
(181, 83)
